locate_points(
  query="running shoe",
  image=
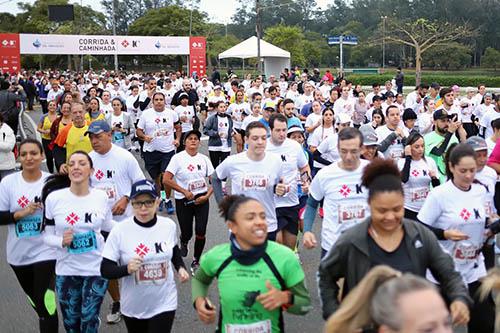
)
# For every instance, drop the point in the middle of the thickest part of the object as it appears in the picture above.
(115, 316)
(321, 213)
(194, 266)
(170, 207)
(160, 207)
(184, 250)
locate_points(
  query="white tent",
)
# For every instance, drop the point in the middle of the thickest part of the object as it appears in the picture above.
(275, 59)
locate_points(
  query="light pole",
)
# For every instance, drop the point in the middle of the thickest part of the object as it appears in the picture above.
(81, 27)
(114, 34)
(383, 40)
(258, 28)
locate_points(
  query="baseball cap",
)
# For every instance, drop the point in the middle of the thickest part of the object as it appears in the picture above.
(95, 81)
(192, 132)
(470, 89)
(441, 114)
(389, 94)
(217, 87)
(477, 143)
(376, 98)
(97, 127)
(144, 186)
(293, 129)
(183, 95)
(369, 136)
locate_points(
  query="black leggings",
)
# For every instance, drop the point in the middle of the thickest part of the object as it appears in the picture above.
(185, 215)
(37, 281)
(59, 154)
(161, 323)
(49, 157)
(216, 157)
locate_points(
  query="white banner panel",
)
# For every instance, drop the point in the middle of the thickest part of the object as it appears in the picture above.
(102, 45)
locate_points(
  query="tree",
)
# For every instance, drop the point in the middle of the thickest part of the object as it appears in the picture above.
(454, 56)
(290, 39)
(422, 35)
(491, 58)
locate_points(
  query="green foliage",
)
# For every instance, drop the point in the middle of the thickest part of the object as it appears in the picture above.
(218, 44)
(491, 58)
(443, 80)
(289, 38)
(453, 56)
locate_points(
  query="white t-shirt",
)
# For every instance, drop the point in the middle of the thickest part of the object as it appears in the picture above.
(312, 119)
(106, 108)
(486, 120)
(424, 122)
(134, 112)
(238, 112)
(293, 158)
(203, 92)
(303, 100)
(248, 120)
(319, 135)
(418, 185)
(159, 126)
(468, 110)
(190, 172)
(488, 177)
(169, 96)
(114, 173)
(346, 201)
(344, 106)
(293, 95)
(329, 149)
(491, 145)
(448, 207)
(188, 112)
(87, 216)
(255, 179)
(223, 128)
(396, 149)
(25, 244)
(151, 290)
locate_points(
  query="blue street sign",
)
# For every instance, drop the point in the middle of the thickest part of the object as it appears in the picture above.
(348, 40)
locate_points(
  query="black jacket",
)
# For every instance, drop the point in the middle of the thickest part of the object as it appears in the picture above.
(350, 259)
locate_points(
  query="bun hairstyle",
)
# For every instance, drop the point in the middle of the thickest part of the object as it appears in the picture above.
(381, 176)
(230, 204)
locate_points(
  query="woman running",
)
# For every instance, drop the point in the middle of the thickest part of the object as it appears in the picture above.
(273, 279)
(417, 174)
(456, 213)
(142, 251)
(121, 124)
(320, 134)
(75, 214)
(187, 173)
(43, 128)
(7, 143)
(64, 119)
(31, 260)
(94, 111)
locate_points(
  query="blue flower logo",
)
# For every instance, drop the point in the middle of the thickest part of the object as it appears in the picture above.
(158, 45)
(37, 43)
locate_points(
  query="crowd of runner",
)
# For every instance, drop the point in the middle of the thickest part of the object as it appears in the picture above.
(405, 181)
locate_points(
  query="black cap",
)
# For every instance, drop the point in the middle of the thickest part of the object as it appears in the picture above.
(192, 132)
(144, 186)
(441, 114)
(376, 98)
(409, 114)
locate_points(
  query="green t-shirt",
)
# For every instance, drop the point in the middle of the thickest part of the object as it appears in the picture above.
(434, 140)
(239, 285)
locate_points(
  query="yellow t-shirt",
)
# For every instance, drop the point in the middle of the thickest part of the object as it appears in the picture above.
(77, 140)
(46, 126)
(89, 120)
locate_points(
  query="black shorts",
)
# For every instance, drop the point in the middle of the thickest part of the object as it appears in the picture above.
(156, 162)
(288, 219)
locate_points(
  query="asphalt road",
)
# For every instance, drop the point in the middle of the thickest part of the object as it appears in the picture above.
(16, 315)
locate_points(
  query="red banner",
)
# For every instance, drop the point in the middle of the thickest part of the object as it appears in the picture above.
(197, 56)
(10, 57)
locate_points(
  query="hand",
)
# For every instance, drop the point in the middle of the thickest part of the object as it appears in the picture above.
(455, 235)
(207, 316)
(453, 126)
(183, 275)
(176, 142)
(67, 237)
(459, 313)
(281, 189)
(408, 150)
(399, 132)
(120, 206)
(64, 169)
(305, 187)
(184, 119)
(418, 99)
(134, 264)
(200, 200)
(309, 240)
(188, 194)
(273, 299)
(432, 174)
(29, 210)
(148, 139)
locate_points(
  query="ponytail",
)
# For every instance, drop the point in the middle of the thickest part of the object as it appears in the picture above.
(54, 183)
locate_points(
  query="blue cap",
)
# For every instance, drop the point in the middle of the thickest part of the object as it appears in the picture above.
(97, 127)
(144, 186)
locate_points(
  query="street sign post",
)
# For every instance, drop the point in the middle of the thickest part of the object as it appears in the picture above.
(341, 40)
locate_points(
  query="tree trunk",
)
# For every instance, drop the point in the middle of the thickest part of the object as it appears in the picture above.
(418, 65)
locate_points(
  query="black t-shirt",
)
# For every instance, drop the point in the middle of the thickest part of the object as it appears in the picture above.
(398, 259)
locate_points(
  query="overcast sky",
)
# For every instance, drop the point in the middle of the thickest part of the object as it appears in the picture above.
(218, 10)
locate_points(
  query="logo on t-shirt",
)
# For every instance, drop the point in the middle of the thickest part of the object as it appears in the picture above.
(190, 167)
(157, 120)
(465, 214)
(283, 158)
(23, 201)
(415, 173)
(345, 191)
(99, 174)
(141, 250)
(250, 298)
(72, 219)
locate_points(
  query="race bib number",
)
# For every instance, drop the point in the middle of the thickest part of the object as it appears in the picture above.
(396, 153)
(255, 182)
(161, 132)
(152, 273)
(488, 208)
(419, 194)
(118, 137)
(465, 252)
(259, 327)
(29, 226)
(349, 214)
(197, 186)
(83, 242)
(110, 190)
